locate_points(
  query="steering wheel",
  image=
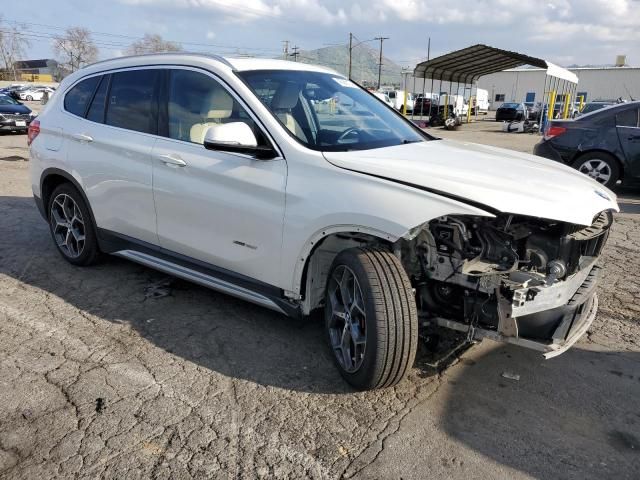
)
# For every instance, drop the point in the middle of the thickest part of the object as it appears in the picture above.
(348, 132)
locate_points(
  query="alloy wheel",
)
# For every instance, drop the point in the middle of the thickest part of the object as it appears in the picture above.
(67, 225)
(347, 325)
(597, 169)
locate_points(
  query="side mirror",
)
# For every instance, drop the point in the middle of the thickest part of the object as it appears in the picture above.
(236, 137)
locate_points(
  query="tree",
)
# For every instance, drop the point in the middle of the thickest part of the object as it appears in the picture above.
(152, 43)
(75, 48)
(13, 45)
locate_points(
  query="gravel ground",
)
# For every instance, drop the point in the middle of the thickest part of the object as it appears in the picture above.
(118, 371)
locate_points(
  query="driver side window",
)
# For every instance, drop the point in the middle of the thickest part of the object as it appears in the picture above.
(196, 102)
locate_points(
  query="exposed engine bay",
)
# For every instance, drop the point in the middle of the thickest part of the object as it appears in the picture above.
(518, 279)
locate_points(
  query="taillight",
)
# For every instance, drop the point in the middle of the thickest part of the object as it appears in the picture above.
(554, 131)
(34, 130)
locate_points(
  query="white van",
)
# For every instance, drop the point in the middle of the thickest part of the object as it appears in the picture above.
(482, 101)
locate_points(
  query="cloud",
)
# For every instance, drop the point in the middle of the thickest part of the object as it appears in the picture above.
(211, 35)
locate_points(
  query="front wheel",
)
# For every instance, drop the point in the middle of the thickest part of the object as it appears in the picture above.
(29, 98)
(371, 318)
(600, 166)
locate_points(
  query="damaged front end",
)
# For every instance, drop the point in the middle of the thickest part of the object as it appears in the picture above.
(510, 278)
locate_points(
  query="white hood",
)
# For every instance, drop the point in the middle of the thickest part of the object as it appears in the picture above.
(508, 181)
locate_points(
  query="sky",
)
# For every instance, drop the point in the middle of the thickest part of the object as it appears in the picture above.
(565, 32)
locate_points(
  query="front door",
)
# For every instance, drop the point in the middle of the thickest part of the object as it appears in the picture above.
(225, 209)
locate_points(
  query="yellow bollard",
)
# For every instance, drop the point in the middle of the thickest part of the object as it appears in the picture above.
(472, 101)
(404, 103)
(552, 104)
(567, 102)
(581, 102)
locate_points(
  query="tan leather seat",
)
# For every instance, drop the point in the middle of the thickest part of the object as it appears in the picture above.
(283, 102)
(216, 107)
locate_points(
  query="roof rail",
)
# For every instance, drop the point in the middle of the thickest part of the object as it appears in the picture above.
(213, 56)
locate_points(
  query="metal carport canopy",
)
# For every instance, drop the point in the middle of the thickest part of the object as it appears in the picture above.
(469, 64)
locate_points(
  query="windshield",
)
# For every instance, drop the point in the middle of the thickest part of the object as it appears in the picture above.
(510, 105)
(329, 113)
(7, 100)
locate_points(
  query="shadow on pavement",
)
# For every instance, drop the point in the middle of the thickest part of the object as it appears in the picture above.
(579, 412)
(214, 330)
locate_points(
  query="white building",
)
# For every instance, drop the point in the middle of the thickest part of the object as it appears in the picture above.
(527, 84)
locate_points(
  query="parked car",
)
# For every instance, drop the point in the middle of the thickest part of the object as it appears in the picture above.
(603, 144)
(36, 93)
(384, 97)
(229, 176)
(511, 112)
(14, 116)
(423, 102)
(534, 109)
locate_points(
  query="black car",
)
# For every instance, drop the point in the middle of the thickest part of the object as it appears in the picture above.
(14, 116)
(604, 144)
(511, 111)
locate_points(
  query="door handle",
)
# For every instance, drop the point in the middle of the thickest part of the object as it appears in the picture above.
(634, 137)
(81, 137)
(172, 159)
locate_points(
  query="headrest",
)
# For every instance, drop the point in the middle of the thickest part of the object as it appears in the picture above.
(286, 97)
(218, 104)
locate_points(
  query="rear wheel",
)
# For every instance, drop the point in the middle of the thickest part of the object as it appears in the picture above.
(600, 166)
(371, 318)
(71, 226)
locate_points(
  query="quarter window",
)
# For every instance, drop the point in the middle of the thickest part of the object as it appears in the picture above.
(77, 99)
(628, 118)
(132, 103)
(197, 102)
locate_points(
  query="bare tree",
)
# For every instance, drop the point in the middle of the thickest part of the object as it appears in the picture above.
(152, 43)
(13, 45)
(75, 48)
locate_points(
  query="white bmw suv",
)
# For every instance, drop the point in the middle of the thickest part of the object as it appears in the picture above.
(291, 187)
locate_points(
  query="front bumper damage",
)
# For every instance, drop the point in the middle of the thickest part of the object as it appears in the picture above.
(551, 322)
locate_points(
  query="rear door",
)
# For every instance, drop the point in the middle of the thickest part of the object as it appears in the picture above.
(110, 143)
(628, 128)
(224, 209)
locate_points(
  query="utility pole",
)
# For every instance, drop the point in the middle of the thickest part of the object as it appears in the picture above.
(350, 49)
(285, 49)
(295, 53)
(382, 39)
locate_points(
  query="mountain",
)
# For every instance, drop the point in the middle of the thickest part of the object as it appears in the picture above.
(364, 63)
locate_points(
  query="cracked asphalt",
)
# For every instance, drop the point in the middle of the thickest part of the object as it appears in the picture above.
(117, 371)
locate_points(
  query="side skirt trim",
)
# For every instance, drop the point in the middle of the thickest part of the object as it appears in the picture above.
(199, 278)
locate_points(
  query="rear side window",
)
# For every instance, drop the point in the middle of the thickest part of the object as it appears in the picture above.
(132, 103)
(78, 98)
(628, 118)
(96, 110)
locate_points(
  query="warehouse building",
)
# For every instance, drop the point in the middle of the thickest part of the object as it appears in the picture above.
(595, 83)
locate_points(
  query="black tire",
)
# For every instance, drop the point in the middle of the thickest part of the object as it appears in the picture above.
(29, 98)
(89, 253)
(391, 318)
(585, 162)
